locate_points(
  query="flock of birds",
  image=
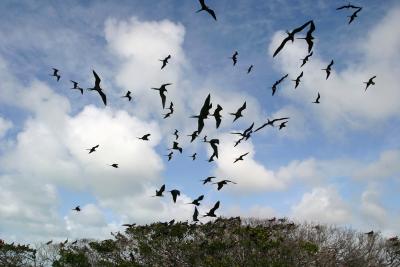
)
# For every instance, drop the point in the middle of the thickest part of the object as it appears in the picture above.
(205, 110)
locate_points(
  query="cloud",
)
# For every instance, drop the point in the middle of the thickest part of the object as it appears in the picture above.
(5, 125)
(388, 165)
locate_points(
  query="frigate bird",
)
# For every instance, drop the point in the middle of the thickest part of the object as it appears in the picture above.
(98, 88)
(221, 184)
(309, 38)
(370, 82)
(56, 74)
(159, 193)
(175, 193)
(241, 157)
(317, 99)
(162, 90)
(238, 113)
(270, 122)
(211, 213)
(278, 82)
(297, 81)
(217, 115)
(128, 95)
(76, 87)
(306, 59)
(206, 8)
(93, 149)
(328, 69)
(165, 61)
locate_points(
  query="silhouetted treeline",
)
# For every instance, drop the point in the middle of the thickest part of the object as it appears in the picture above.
(224, 242)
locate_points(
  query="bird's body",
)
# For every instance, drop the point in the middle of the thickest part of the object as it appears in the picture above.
(165, 61)
(270, 122)
(159, 193)
(169, 155)
(211, 213)
(128, 95)
(175, 193)
(204, 112)
(115, 165)
(175, 146)
(370, 82)
(204, 7)
(354, 15)
(249, 69)
(221, 184)
(217, 115)
(93, 149)
(208, 179)
(238, 113)
(317, 99)
(171, 110)
(77, 208)
(278, 82)
(176, 134)
(162, 90)
(98, 88)
(144, 137)
(76, 87)
(241, 157)
(234, 58)
(193, 136)
(347, 7)
(328, 69)
(297, 81)
(306, 59)
(309, 38)
(193, 156)
(195, 215)
(282, 125)
(214, 145)
(56, 74)
(197, 200)
(129, 225)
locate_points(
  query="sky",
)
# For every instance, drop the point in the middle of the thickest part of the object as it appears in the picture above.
(337, 162)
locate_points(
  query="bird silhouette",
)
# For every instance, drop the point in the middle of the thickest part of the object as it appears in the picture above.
(93, 149)
(115, 165)
(370, 233)
(317, 100)
(129, 225)
(290, 37)
(208, 179)
(159, 193)
(370, 82)
(171, 222)
(128, 95)
(249, 69)
(49, 242)
(169, 155)
(76, 87)
(297, 81)
(211, 213)
(270, 122)
(214, 145)
(347, 6)
(328, 69)
(171, 110)
(309, 38)
(98, 88)
(238, 113)
(204, 112)
(165, 61)
(193, 156)
(193, 136)
(241, 157)
(206, 8)
(144, 137)
(195, 215)
(162, 90)
(354, 15)
(56, 74)
(221, 184)
(197, 200)
(175, 193)
(282, 125)
(77, 208)
(278, 82)
(306, 59)
(205, 139)
(247, 133)
(176, 134)
(175, 146)
(234, 58)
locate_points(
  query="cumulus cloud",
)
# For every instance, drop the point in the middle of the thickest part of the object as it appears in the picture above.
(388, 165)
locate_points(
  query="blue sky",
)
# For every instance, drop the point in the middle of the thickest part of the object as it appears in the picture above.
(337, 162)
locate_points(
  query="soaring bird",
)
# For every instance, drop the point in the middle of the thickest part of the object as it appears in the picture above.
(234, 58)
(238, 113)
(370, 82)
(214, 145)
(175, 146)
(56, 74)
(347, 6)
(211, 213)
(290, 37)
(249, 69)
(247, 133)
(176, 134)
(171, 110)
(144, 137)
(115, 165)
(241, 157)
(208, 179)
(282, 125)
(162, 90)
(195, 215)
(76, 87)
(193, 136)
(297, 81)
(270, 122)
(205, 139)
(129, 225)
(204, 112)
(193, 156)
(354, 15)
(169, 155)
(175, 193)
(221, 184)
(309, 38)
(128, 95)
(93, 149)
(306, 59)
(328, 69)
(317, 100)
(206, 8)
(165, 61)
(159, 193)
(217, 115)
(197, 200)
(49, 242)
(278, 82)
(77, 208)
(98, 88)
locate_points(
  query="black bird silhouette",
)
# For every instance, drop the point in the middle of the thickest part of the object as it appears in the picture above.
(159, 193)
(93, 149)
(354, 15)
(194, 156)
(217, 115)
(370, 233)
(290, 37)
(234, 58)
(205, 139)
(169, 155)
(98, 88)
(241, 157)
(77, 208)
(282, 125)
(214, 145)
(278, 82)
(347, 6)
(162, 90)
(195, 215)
(206, 8)
(309, 38)
(238, 113)
(247, 133)
(204, 112)
(49, 242)
(317, 100)
(176, 147)
(208, 179)
(76, 87)
(165, 61)
(222, 183)
(193, 136)
(56, 74)
(328, 69)
(144, 137)
(197, 200)
(115, 165)
(129, 225)
(73, 243)
(370, 82)
(270, 122)
(171, 222)
(175, 193)
(211, 213)
(128, 95)
(176, 134)
(249, 69)
(306, 59)
(171, 110)
(297, 81)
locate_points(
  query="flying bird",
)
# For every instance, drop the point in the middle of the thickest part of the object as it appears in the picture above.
(197, 200)
(217, 115)
(214, 145)
(56, 74)
(211, 213)
(249, 69)
(370, 233)
(98, 88)
(234, 58)
(171, 110)
(128, 95)
(204, 112)
(247, 133)
(77, 208)
(297, 81)
(354, 15)
(115, 165)
(193, 136)
(176, 134)
(165, 61)
(162, 90)
(306, 59)
(76, 87)
(278, 82)
(208, 179)
(328, 69)
(176, 147)
(144, 137)
(93, 149)
(193, 156)
(206, 8)
(169, 155)
(238, 113)
(159, 193)
(175, 193)
(309, 38)
(241, 157)
(195, 215)
(317, 100)
(129, 225)
(290, 37)
(347, 6)
(282, 125)
(49, 242)
(270, 122)
(370, 82)
(221, 184)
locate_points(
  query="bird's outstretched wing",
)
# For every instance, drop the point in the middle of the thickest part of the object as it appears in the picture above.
(299, 29)
(103, 97)
(262, 126)
(162, 188)
(216, 206)
(212, 13)
(243, 107)
(97, 79)
(281, 46)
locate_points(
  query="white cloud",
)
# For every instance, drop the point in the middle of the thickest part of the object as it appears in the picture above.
(388, 165)
(5, 125)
